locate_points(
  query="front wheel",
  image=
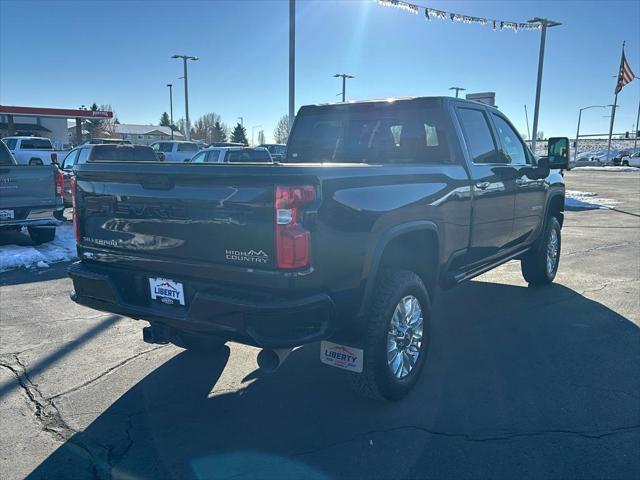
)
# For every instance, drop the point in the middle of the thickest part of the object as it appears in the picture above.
(396, 337)
(540, 265)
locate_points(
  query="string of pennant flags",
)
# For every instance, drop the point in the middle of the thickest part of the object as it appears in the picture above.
(431, 13)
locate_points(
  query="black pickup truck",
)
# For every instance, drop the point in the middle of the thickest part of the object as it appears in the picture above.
(376, 206)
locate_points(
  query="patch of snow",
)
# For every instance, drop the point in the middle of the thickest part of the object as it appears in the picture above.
(62, 248)
(577, 200)
(610, 168)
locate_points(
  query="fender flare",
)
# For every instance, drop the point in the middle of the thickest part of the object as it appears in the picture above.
(372, 261)
(556, 192)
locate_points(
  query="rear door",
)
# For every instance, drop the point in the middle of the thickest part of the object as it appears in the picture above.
(493, 185)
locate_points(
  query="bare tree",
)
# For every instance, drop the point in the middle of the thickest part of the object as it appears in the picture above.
(281, 132)
(204, 128)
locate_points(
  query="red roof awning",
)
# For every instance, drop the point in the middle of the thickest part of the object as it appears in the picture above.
(54, 112)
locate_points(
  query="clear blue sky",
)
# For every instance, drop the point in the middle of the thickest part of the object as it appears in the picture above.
(64, 54)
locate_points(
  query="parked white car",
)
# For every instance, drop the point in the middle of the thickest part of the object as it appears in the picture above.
(232, 155)
(176, 151)
(632, 160)
(33, 150)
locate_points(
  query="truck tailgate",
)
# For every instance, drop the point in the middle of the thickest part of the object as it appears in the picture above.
(27, 186)
(208, 214)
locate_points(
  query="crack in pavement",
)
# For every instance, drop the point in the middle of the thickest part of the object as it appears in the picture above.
(46, 412)
(593, 435)
(105, 373)
(101, 458)
(599, 247)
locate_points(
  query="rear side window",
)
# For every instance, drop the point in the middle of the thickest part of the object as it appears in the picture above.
(188, 147)
(108, 153)
(5, 156)
(392, 133)
(11, 143)
(478, 136)
(35, 144)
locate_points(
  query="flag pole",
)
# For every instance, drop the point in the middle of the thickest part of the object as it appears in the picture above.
(613, 108)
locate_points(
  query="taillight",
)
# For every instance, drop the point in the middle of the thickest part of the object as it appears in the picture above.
(292, 239)
(76, 227)
(59, 183)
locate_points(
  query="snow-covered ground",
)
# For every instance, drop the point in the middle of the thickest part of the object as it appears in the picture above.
(577, 200)
(62, 248)
(609, 168)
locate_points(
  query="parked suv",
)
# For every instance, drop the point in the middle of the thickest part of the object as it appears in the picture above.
(176, 151)
(375, 208)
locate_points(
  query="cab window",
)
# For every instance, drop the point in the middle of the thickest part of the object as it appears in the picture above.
(513, 151)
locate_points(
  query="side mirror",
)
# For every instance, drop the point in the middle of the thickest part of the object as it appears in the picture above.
(558, 153)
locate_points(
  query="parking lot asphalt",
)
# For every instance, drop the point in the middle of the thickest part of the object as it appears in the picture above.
(519, 383)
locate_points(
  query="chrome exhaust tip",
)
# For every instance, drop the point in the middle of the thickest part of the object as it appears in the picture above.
(270, 360)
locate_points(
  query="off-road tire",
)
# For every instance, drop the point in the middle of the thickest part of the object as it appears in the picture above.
(41, 235)
(534, 263)
(376, 380)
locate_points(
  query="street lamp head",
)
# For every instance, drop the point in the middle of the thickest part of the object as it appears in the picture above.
(544, 21)
(192, 58)
(175, 56)
(169, 85)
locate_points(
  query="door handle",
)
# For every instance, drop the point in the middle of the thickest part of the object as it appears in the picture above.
(482, 185)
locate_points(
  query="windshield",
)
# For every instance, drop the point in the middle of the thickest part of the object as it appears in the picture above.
(109, 153)
(382, 133)
(35, 144)
(248, 155)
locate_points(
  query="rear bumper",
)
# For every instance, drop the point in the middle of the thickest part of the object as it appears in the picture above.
(252, 318)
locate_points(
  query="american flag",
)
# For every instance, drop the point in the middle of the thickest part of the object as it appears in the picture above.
(625, 76)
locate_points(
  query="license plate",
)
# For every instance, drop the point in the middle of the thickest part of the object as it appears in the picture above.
(6, 214)
(166, 291)
(341, 356)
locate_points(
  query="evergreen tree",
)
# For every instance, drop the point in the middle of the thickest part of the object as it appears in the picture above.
(261, 139)
(165, 121)
(239, 134)
(219, 132)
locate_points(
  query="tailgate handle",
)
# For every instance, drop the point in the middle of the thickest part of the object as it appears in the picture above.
(156, 182)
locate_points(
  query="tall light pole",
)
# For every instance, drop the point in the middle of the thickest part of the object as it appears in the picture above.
(635, 141)
(545, 24)
(186, 92)
(344, 77)
(575, 145)
(292, 61)
(253, 129)
(170, 85)
(457, 89)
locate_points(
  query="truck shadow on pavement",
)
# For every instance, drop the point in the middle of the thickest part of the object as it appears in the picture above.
(519, 383)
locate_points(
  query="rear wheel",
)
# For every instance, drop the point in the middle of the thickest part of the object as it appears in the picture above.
(41, 235)
(540, 265)
(625, 163)
(396, 337)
